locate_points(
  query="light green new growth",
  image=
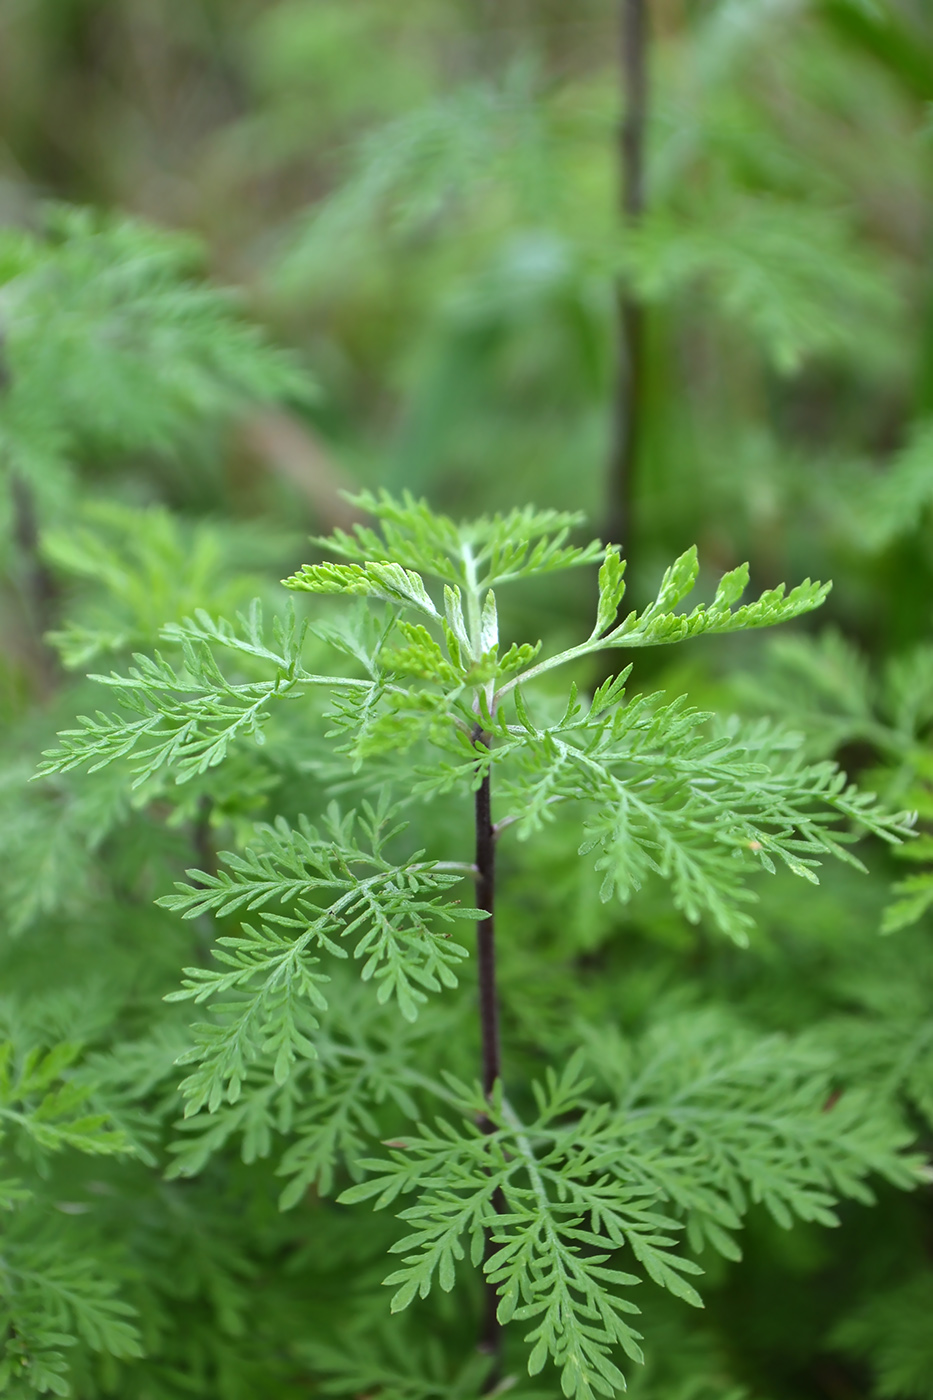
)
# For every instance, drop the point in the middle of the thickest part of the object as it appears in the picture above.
(604, 1181)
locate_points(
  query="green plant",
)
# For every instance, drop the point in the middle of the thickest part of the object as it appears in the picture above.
(52, 1293)
(628, 1158)
(112, 345)
(451, 246)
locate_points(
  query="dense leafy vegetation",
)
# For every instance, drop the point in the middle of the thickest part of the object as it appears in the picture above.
(285, 843)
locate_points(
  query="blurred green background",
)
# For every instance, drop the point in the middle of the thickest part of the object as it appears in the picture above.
(423, 201)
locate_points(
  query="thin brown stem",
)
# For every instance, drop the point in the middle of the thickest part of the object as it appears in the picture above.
(202, 839)
(38, 589)
(491, 1336)
(628, 392)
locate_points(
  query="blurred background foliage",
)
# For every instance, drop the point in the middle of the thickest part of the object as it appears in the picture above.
(419, 204)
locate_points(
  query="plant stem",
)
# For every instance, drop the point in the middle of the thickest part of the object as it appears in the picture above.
(491, 1336)
(38, 588)
(485, 937)
(206, 856)
(628, 399)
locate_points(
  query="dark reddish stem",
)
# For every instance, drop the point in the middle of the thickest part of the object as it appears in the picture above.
(485, 937)
(491, 1337)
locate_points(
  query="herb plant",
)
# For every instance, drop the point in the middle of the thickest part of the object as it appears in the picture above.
(566, 1183)
(446, 248)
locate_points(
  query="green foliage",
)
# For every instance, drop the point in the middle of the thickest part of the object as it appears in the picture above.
(426, 164)
(390, 907)
(560, 1193)
(825, 689)
(893, 1332)
(111, 343)
(152, 571)
(51, 1300)
(744, 1123)
(443, 245)
(891, 505)
(758, 264)
(46, 1111)
(191, 715)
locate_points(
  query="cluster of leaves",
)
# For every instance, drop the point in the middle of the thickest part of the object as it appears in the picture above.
(112, 342)
(150, 569)
(51, 1297)
(705, 1124)
(826, 690)
(388, 908)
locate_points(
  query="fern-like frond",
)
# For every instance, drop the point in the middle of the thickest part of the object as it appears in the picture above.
(707, 1120)
(113, 339)
(43, 1104)
(49, 1302)
(400, 1364)
(701, 810)
(479, 554)
(331, 1108)
(189, 718)
(336, 889)
(756, 257)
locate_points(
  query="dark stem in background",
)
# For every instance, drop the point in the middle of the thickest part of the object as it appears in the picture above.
(628, 388)
(38, 588)
(491, 1337)
(202, 838)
